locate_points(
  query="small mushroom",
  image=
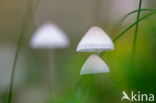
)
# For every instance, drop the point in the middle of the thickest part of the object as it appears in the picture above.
(93, 65)
(49, 36)
(95, 40)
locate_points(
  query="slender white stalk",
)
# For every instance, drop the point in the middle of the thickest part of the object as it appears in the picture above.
(52, 71)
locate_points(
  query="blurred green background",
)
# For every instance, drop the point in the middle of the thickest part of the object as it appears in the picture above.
(75, 17)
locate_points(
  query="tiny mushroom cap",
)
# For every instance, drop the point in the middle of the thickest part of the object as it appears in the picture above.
(94, 65)
(49, 36)
(95, 40)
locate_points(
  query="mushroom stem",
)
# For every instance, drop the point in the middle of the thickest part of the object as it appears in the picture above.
(51, 71)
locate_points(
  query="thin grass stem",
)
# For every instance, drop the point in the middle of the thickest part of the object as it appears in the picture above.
(132, 12)
(139, 10)
(13, 72)
(119, 24)
(132, 25)
(14, 64)
(136, 33)
(20, 40)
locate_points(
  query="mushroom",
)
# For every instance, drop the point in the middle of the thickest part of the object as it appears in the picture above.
(49, 36)
(95, 40)
(93, 65)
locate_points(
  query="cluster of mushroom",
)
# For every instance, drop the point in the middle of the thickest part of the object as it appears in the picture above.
(96, 41)
(50, 36)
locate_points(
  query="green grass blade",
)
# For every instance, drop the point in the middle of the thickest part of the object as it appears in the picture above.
(132, 25)
(135, 11)
(119, 24)
(136, 33)
(20, 40)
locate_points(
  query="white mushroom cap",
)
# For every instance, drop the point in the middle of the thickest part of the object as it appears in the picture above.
(49, 36)
(93, 65)
(95, 40)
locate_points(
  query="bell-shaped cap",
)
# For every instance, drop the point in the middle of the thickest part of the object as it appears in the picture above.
(49, 36)
(93, 65)
(95, 40)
